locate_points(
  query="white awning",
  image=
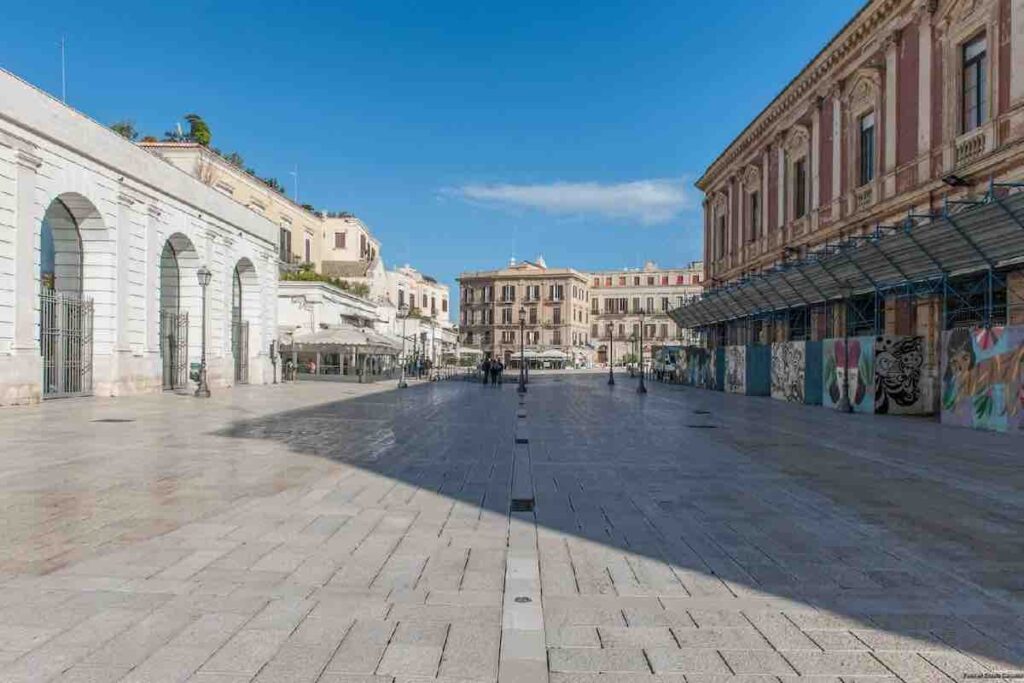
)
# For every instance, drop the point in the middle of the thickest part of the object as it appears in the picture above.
(350, 337)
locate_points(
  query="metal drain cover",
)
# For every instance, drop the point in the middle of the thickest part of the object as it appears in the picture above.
(522, 505)
(702, 426)
(114, 420)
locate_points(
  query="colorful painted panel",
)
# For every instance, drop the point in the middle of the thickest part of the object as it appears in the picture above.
(736, 369)
(852, 361)
(983, 378)
(899, 363)
(789, 371)
(695, 367)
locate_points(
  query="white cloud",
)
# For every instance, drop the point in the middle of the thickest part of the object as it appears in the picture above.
(648, 201)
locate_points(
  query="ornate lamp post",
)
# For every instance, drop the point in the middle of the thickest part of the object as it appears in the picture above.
(403, 313)
(844, 401)
(611, 354)
(203, 390)
(641, 388)
(522, 350)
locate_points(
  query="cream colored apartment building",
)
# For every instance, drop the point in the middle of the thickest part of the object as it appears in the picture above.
(623, 300)
(554, 301)
(300, 232)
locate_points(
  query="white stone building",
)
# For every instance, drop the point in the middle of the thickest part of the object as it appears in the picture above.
(100, 244)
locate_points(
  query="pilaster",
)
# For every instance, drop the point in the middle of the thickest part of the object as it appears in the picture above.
(26, 261)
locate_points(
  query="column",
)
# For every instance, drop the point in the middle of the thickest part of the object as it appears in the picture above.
(837, 149)
(765, 163)
(730, 219)
(1016, 52)
(889, 184)
(781, 185)
(125, 202)
(26, 281)
(815, 153)
(154, 248)
(924, 95)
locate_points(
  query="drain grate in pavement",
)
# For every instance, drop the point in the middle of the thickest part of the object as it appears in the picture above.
(114, 420)
(702, 426)
(702, 412)
(522, 505)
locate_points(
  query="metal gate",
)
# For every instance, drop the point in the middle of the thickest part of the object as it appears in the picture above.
(240, 349)
(174, 349)
(65, 338)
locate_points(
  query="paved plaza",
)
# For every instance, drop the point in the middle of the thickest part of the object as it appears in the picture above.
(343, 533)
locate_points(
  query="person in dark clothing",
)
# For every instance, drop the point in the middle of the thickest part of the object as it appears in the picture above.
(485, 369)
(496, 368)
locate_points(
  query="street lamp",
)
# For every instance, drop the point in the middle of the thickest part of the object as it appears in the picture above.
(611, 354)
(641, 388)
(203, 390)
(522, 350)
(403, 313)
(844, 401)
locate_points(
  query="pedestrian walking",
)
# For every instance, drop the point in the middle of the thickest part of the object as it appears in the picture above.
(496, 368)
(485, 369)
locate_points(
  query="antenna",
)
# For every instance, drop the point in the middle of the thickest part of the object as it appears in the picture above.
(295, 174)
(63, 69)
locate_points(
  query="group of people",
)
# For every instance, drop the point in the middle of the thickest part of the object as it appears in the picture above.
(492, 368)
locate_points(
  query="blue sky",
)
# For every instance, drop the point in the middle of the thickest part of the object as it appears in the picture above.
(463, 133)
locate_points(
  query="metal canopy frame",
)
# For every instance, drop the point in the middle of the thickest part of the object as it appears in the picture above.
(925, 255)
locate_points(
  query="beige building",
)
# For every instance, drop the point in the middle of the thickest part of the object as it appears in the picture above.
(346, 240)
(617, 298)
(555, 302)
(300, 232)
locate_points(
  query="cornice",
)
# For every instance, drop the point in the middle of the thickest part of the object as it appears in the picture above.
(876, 15)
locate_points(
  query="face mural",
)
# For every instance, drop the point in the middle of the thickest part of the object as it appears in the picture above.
(789, 367)
(852, 361)
(899, 362)
(736, 369)
(983, 378)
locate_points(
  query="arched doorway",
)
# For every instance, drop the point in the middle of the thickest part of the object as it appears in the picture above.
(178, 262)
(65, 315)
(243, 297)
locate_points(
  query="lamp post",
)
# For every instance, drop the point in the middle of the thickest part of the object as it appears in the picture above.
(403, 313)
(203, 390)
(522, 350)
(641, 388)
(844, 401)
(611, 354)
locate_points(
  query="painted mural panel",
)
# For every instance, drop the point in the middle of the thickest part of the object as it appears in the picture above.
(899, 364)
(694, 367)
(789, 371)
(983, 378)
(736, 369)
(849, 360)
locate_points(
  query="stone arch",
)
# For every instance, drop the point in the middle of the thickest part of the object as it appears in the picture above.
(245, 313)
(69, 234)
(179, 296)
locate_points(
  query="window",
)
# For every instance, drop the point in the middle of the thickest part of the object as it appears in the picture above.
(650, 279)
(720, 238)
(469, 339)
(444, 305)
(867, 148)
(556, 292)
(508, 293)
(664, 303)
(593, 330)
(622, 281)
(680, 280)
(663, 330)
(623, 304)
(754, 222)
(433, 305)
(362, 245)
(607, 282)
(622, 330)
(556, 316)
(597, 282)
(636, 304)
(339, 240)
(800, 188)
(533, 315)
(636, 280)
(307, 249)
(401, 298)
(650, 304)
(664, 279)
(975, 90)
(424, 301)
(285, 245)
(508, 337)
(556, 338)
(595, 305)
(506, 316)
(533, 292)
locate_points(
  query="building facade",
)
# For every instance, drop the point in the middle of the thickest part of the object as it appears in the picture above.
(617, 298)
(877, 198)
(347, 241)
(300, 232)
(555, 302)
(101, 246)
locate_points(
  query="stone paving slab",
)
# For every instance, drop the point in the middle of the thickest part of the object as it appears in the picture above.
(348, 533)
